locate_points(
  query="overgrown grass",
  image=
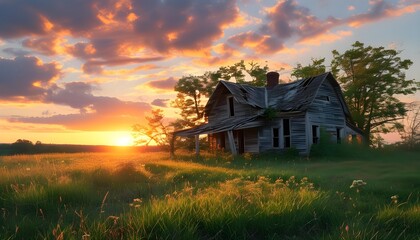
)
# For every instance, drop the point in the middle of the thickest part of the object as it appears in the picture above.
(148, 196)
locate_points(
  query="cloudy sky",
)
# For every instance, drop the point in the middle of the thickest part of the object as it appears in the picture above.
(84, 71)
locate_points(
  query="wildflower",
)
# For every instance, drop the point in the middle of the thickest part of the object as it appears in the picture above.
(279, 182)
(85, 236)
(113, 218)
(394, 199)
(347, 228)
(357, 183)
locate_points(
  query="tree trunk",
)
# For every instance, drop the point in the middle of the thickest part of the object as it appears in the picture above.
(172, 146)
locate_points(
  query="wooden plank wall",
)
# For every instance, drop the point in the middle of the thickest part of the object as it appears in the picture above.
(298, 134)
(265, 135)
(328, 115)
(251, 140)
(221, 110)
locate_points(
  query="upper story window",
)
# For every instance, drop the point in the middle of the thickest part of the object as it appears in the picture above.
(231, 107)
(323, 98)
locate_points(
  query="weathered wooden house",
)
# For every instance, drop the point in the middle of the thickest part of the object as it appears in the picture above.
(243, 118)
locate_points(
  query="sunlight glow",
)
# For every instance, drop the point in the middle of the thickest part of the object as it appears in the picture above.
(124, 140)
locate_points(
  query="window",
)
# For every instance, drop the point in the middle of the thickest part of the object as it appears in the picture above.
(286, 133)
(231, 107)
(276, 138)
(323, 98)
(338, 135)
(315, 135)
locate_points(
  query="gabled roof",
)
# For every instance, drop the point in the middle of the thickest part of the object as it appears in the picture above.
(243, 93)
(294, 96)
(298, 95)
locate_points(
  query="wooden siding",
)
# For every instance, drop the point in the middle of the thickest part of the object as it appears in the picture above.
(251, 140)
(265, 135)
(298, 134)
(250, 136)
(220, 110)
(328, 115)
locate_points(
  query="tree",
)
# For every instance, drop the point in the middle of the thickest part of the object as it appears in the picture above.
(238, 70)
(410, 133)
(371, 78)
(315, 68)
(189, 99)
(22, 146)
(155, 130)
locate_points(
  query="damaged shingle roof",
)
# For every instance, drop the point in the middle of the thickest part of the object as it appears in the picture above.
(294, 96)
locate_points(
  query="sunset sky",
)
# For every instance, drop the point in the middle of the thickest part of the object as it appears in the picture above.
(84, 71)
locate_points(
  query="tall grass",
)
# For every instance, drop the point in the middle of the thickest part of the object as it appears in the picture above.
(148, 196)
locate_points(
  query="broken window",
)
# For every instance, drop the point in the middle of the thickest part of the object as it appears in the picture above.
(231, 107)
(286, 132)
(323, 98)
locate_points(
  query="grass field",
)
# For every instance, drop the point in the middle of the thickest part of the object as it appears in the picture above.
(124, 195)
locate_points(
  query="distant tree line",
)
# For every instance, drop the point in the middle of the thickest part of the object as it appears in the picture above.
(23, 146)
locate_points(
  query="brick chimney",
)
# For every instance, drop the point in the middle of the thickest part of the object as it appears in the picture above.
(272, 79)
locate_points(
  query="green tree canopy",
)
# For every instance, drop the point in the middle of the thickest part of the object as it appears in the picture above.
(372, 78)
(315, 68)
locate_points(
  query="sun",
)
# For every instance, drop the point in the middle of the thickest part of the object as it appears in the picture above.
(123, 141)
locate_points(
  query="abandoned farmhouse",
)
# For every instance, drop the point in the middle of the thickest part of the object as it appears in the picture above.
(249, 119)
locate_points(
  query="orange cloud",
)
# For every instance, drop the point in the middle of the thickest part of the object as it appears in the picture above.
(49, 45)
(96, 66)
(123, 72)
(381, 10)
(96, 112)
(260, 43)
(87, 121)
(164, 84)
(221, 54)
(404, 10)
(244, 19)
(325, 38)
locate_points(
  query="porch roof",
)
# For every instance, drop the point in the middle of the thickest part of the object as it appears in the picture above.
(222, 126)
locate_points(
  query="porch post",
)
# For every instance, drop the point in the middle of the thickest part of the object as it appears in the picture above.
(231, 143)
(197, 145)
